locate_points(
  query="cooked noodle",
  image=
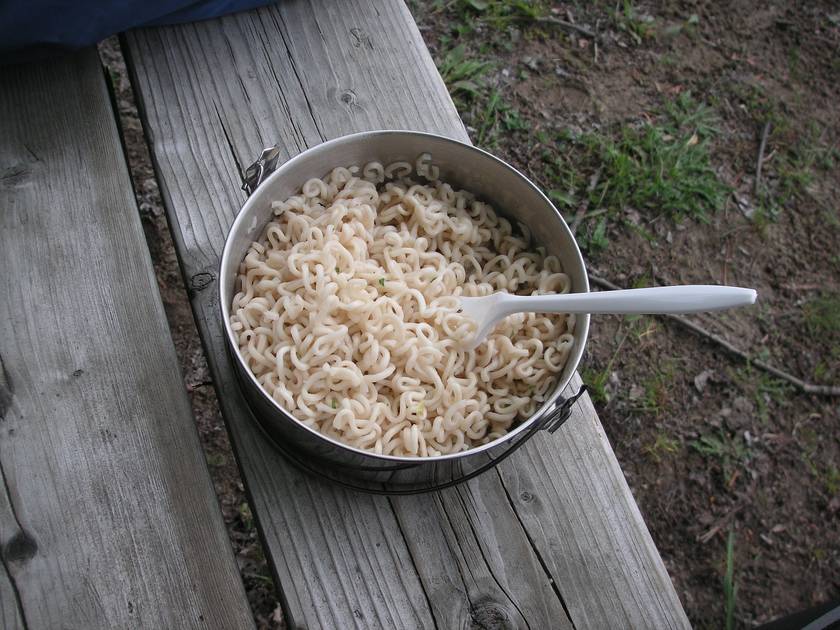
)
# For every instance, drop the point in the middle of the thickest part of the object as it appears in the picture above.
(345, 312)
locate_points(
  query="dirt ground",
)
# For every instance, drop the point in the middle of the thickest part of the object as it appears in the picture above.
(715, 450)
(709, 444)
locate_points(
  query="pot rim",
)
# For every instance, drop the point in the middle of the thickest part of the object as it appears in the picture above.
(549, 406)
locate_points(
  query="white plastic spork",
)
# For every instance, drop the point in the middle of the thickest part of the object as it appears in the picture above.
(488, 310)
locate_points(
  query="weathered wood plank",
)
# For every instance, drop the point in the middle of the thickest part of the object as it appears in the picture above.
(590, 535)
(475, 561)
(107, 514)
(339, 557)
(212, 95)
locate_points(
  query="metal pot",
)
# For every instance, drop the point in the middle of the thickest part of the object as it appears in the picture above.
(462, 166)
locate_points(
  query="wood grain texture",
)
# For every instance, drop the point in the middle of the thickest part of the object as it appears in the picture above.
(480, 555)
(477, 566)
(107, 515)
(590, 535)
(11, 610)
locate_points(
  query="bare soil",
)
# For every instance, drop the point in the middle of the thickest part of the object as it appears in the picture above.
(709, 445)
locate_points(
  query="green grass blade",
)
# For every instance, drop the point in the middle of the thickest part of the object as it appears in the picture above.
(730, 590)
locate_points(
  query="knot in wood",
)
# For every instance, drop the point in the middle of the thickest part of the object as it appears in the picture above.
(201, 280)
(15, 176)
(361, 39)
(490, 616)
(348, 97)
(20, 548)
(526, 497)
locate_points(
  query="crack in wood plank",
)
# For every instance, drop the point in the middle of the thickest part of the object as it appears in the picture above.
(470, 522)
(283, 30)
(486, 610)
(21, 613)
(7, 391)
(239, 168)
(414, 565)
(555, 587)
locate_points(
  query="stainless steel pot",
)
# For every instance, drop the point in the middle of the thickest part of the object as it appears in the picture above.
(461, 165)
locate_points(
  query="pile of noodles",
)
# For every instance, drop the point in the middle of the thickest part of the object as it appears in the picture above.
(345, 312)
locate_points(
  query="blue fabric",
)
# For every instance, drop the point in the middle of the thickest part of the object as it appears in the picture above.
(30, 27)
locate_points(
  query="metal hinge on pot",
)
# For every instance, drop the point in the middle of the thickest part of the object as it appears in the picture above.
(259, 170)
(556, 420)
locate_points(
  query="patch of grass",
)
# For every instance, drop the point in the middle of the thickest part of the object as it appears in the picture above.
(542, 137)
(760, 106)
(776, 189)
(687, 27)
(642, 326)
(795, 172)
(763, 388)
(639, 27)
(821, 371)
(496, 115)
(245, 516)
(656, 396)
(686, 114)
(662, 446)
(826, 474)
(561, 198)
(730, 589)
(465, 77)
(657, 390)
(660, 167)
(669, 61)
(464, 17)
(641, 170)
(799, 160)
(828, 366)
(832, 480)
(641, 282)
(596, 384)
(728, 450)
(766, 213)
(512, 120)
(216, 460)
(822, 315)
(468, 79)
(628, 174)
(594, 239)
(563, 174)
(596, 381)
(500, 13)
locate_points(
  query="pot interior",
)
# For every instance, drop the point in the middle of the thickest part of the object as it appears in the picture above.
(493, 181)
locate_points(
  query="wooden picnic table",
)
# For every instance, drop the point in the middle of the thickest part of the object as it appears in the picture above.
(106, 497)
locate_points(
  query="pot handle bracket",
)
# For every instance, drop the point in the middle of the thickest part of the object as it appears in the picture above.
(259, 170)
(556, 419)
